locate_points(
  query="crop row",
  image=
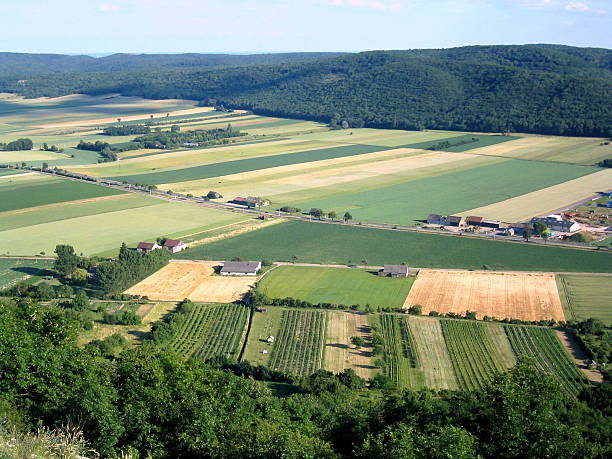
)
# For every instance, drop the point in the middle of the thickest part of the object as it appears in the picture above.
(400, 358)
(473, 354)
(210, 330)
(548, 353)
(299, 347)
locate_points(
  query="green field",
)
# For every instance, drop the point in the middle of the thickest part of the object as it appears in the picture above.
(335, 285)
(263, 325)
(211, 330)
(103, 233)
(550, 356)
(15, 270)
(246, 165)
(447, 193)
(299, 346)
(483, 141)
(584, 297)
(28, 191)
(350, 245)
(4, 172)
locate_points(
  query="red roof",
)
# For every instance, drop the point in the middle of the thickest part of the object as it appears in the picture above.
(172, 243)
(475, 219)
(146, 245)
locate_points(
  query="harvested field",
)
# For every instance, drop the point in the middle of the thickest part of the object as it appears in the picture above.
(339, 353)
(193, 280)
(524, 296)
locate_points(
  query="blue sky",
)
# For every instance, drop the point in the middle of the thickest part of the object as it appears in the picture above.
(94, 26)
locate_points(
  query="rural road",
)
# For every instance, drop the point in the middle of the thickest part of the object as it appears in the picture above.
(109, 183)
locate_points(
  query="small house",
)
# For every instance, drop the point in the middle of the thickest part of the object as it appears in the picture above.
(436, 219)
(454, 220)
(240, 268)
(394, 271)
(174, 245)
(146, 247)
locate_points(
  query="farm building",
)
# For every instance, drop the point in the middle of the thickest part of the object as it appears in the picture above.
(436, 219)
(174, 245)
(474, 221)
(240, 268)
(557, 223)
(454, 220)
(491, 224)
(250, 201)
(394, 271)
(147, 247)
(519, 228)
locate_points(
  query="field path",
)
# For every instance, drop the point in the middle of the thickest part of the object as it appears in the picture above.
(578, 353)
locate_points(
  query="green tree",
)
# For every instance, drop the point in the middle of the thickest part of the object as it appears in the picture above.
(346, 217)
(44, 291)
(65, 291)
(332, 215)
(357, 341)
(539, 228)
(66, 261)
(526, 234)
(80, 301)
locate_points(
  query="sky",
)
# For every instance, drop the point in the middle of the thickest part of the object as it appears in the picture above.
(250, 26)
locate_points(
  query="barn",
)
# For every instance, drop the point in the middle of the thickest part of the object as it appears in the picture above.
(174, 245)
(146, 247)
(240, 268)
(393, 271)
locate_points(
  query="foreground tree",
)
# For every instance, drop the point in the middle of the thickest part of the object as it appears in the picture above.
(67, 260)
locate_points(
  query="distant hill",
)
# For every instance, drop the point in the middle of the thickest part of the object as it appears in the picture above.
(23, 65)
(546, 89)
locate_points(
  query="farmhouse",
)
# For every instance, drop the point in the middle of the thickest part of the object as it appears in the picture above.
(240, 268)
(174, 245)
(557, 223)
(436, 219)
(474, 221)
(250, 201)
(454, 220)
(394, 271)
(147, 247)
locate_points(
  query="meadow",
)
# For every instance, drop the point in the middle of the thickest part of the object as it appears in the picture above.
(16, 270)
(335, 285)
(368, 246)
(36, 190)
(584, 297)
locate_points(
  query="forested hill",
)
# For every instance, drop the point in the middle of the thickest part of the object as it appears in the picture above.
(23, 65)
(544, 89)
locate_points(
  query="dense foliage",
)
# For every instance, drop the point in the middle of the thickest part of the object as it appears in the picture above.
(541, 89)
(129, 129)
(163, 406)
(198, 137)
(17, 145)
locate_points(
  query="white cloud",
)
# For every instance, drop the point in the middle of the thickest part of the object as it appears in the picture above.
(106, 8)
(576, 6)
(393, 7)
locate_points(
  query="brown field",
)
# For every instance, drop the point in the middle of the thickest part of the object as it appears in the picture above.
(339, 353)
(193, 280)
(524, 296)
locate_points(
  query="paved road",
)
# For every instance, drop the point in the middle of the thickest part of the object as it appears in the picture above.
(266, 213)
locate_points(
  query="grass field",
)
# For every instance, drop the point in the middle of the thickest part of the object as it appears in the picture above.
(30, 191)
(524, 296)
(550, 356)
(584, 297)
(263, 325)
(335, 285)
(211, 330)
(15, 270)
(455, 143)
(351, 245)
(299, 346)
(104, 232)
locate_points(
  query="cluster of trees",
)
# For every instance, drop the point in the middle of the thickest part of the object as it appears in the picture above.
(121, 318)
(53, 148)
(596, 338)
(129, 268)
(126, 129)
(175, 138)
(155, 404)
(17, 145)
(257, 298)
(551, 89)
(445, 144)
(332, 215)
(605, 163)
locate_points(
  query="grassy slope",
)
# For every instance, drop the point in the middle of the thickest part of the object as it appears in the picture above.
(17, 270)
(586, 296)
(450, 192)
(18, 195)
(335, 285)
(322, 243)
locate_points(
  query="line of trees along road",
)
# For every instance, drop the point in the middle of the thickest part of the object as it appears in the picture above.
(540, 89)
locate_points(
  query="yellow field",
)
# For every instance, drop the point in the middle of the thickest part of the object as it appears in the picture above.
(524, 296)
(13, 157)
(546, 200)
(193, 280)
(339, 353)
